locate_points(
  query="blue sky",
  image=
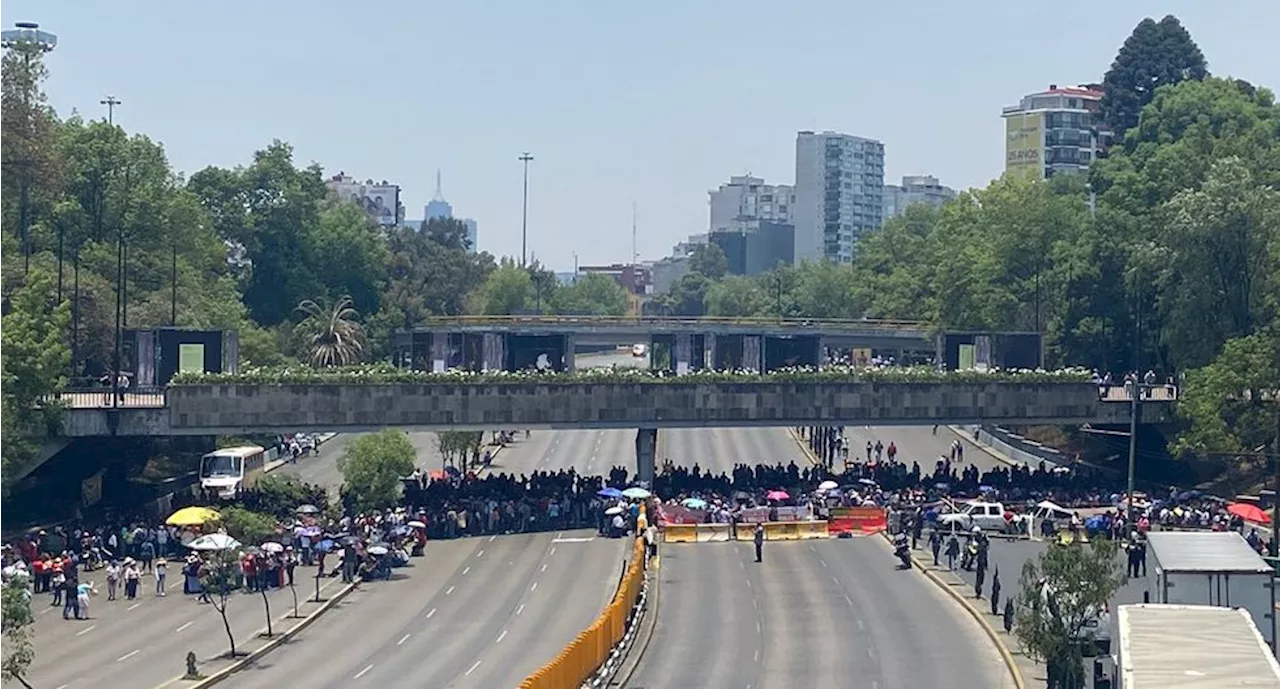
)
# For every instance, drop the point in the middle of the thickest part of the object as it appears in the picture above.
(653, 102)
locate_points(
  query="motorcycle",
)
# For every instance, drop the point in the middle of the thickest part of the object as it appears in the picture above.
(901, 550)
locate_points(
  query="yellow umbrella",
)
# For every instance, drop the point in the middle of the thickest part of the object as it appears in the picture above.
(192, 516)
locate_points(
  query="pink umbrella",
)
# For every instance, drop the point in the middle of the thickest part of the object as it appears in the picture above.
(777, 495)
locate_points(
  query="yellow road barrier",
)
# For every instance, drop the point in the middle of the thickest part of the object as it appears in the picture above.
(713, 533)
(590, 649)
(815, 529)
(680, 533)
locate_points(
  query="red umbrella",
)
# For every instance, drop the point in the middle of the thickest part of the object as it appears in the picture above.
(1248, 512)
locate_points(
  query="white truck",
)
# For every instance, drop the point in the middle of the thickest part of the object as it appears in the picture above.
(988, 515)
(1188, 647)
(1211, 568)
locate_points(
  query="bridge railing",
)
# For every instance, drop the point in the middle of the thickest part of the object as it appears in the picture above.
(442, 321)
(105, 398)
(1150, 393)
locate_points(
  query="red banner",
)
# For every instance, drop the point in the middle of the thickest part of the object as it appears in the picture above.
(677, 514)
(856, 520)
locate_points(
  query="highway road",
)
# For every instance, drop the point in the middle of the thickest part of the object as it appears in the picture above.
(718, 449)
(480, 612)
(918, 444)
(143, 643)
(813, 614)
(322, 469)
(589, 452)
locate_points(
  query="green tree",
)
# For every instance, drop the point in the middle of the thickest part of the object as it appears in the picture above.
(373, 466)
(333, 333)
(507, 290)
(218, 580)
(18, 619)
(739, 296)
(28, 186)
(708, 260)
(431, 271)
(1231, 405)
(592, 294)
(1059, 594)
(458, 447)
(1154, 55)
(247, 526)
(351, 254)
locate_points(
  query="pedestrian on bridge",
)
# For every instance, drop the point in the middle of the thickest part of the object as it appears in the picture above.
(759, 541)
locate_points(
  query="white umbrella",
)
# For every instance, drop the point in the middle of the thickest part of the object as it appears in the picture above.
(635, 493)
(415, 524)
(272, 547)
(377, 550)
(828, 485)
(613, 510)
(214, 541)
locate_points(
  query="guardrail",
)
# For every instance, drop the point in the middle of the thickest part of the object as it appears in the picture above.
(106, 398)
(670, 320)
(591, 648)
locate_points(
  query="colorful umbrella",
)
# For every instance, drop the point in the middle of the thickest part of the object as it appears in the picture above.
(609, 492)
(192, 516)
(214, 541)
(1248, 512)
(694, 503)
(828, 485)
(777, 495)
(635, 493)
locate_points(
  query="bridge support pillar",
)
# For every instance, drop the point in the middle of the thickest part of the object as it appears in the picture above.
(709, 352)
(495, 352)
(753, 352)
(683, 354)
(439, 352)
(646, 454)
(570, 342)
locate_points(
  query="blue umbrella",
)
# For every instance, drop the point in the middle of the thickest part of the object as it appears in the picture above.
(325, 546)
(609, 492)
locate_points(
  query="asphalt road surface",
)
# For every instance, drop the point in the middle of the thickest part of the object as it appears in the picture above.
(143, 643)
(719, 449)
(814, 614)
(479, 612)
(589, 452)
(917, 444)
(322, 469)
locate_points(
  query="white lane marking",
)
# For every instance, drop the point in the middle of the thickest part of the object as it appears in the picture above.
(756, 656)
(501, 636)
(128, 655)
(403, 639)
(559, 535)
(473, 669)
(833, 578)
(544, 566)
(871, 653)
(135, 605)
(184, 626)
(534, 587)
(572, 540)
(520, 609)
(361, 673)
(449, 592)
(759, 628)
(740, 564)
(861, 626)
(848, 600)
(748, 583)
(465, 570)
(482, 552)
(86, 630)
(433, 611)
(824, 562)
(62, 686)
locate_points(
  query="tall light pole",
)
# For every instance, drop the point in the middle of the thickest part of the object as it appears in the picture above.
(30, 41)
(524, 215)
(111, 102)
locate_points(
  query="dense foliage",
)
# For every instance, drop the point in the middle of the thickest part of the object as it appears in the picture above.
(17, 622)
(383, 375)
(373, 466)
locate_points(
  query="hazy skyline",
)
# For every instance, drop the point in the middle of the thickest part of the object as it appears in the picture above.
(657, 103)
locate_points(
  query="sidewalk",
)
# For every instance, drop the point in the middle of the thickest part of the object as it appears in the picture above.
(1030, 672)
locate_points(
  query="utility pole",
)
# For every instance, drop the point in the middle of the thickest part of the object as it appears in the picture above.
(111, 102)
(524, 215)
(1135, 406)
(635, 255)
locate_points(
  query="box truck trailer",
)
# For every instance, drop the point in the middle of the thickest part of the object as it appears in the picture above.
(1211, 568)
(1189, 647)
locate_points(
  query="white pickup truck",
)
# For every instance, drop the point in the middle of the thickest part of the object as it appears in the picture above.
(988, 515)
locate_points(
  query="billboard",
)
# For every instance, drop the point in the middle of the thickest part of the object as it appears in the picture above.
(1024, 145)
(380, 201)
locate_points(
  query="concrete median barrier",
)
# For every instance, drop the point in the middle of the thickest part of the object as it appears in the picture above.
(712, 533)
(781, 531)
(680, 533)
(813, 529)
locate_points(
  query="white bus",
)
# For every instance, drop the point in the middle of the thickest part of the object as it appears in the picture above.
(230, 470)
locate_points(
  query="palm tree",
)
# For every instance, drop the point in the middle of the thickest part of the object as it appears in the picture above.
(334, 336)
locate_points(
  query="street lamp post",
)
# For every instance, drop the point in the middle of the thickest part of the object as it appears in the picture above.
(111, 102)
(524, 215)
